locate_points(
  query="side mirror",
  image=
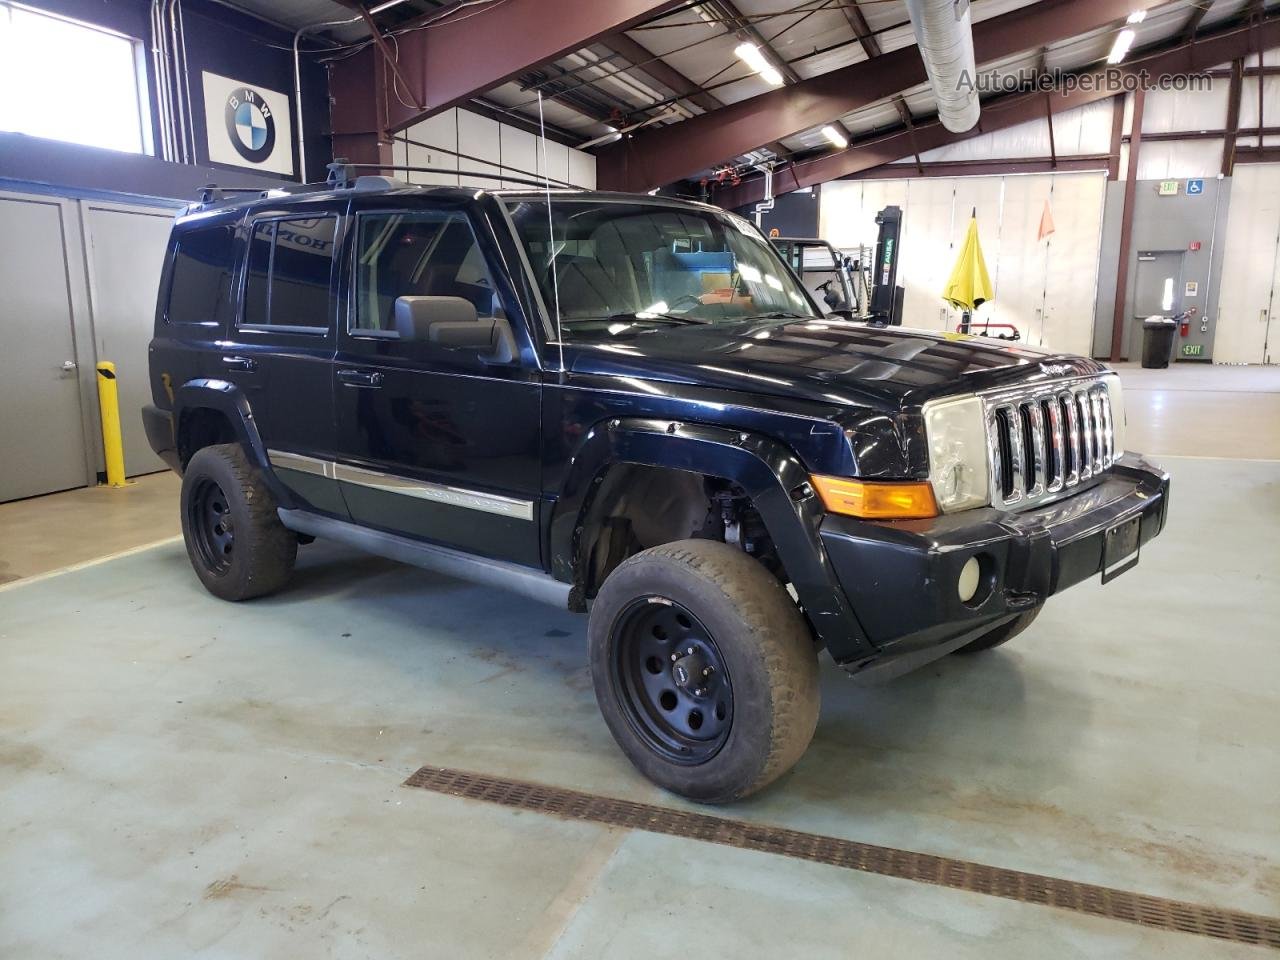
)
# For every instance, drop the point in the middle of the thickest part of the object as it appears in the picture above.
(452, 323)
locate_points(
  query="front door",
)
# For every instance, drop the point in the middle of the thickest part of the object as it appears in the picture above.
(435, 442)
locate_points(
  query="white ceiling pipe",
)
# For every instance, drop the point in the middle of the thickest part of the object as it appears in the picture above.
(944, 34)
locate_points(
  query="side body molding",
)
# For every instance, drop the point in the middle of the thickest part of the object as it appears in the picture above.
(229, 400)
(766, 471)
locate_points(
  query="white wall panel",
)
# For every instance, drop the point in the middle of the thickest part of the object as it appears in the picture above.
(553, 160)
(925, 259)
(435, 144)
(1270, 101)
(479, 137)
(1249, 266)
(1178, 159)
(1018, 272)
(1071, 278)
(1168, 111)
(519, 152)
(582, 169)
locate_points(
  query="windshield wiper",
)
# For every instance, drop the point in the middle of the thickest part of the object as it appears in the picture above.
(779, 315)
(645, 315)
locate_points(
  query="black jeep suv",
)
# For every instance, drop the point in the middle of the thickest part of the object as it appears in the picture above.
(628, 406)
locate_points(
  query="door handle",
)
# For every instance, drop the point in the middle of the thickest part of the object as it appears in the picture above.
(240, 363)
(360, 378)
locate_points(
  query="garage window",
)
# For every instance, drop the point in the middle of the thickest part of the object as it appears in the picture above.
(201, 275)
(102, 102)
(288, 274)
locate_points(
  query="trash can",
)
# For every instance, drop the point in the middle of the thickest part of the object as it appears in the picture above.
(1158, 334)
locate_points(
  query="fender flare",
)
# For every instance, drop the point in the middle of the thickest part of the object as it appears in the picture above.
(767, 471)
(229, 400)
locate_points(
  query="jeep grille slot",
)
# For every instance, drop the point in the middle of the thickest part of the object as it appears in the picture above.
(1047, 439)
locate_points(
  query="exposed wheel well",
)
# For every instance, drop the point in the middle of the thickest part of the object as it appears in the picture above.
(202, 427)
(636, 507)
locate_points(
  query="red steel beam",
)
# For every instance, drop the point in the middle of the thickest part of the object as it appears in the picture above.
(454, 59)
(1002, 112)
(1118, 316)
(656, 157)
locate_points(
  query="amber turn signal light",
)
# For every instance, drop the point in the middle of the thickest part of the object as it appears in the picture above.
(877, 500)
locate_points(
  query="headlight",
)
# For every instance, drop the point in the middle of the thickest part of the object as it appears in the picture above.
(1116, 392)
(957, 434)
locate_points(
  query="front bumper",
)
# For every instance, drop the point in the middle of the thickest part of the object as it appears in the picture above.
(901, 577)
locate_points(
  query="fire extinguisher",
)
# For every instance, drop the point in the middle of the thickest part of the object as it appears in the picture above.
(1184, 328)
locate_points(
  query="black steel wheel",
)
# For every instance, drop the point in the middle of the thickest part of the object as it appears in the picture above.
(704, 669)
(237, 545)
(212, 526)
(672, 682)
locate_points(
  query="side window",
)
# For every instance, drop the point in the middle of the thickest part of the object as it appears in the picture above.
(287, 274)
(201, 277)
(427, 254)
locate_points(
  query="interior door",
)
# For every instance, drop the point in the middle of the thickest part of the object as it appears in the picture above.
(1246, 304)
(42, 439)
(436, 441)
(125, 253)
(1071, 280)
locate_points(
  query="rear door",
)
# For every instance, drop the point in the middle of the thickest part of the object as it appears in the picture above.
(435, 442)
(280, 352)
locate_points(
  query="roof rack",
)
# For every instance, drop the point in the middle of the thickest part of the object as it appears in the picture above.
(345, 175)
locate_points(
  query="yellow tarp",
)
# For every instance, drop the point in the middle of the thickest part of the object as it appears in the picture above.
(969, 286)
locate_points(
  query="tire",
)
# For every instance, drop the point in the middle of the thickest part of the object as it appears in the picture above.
(757, 711)
(1001, 634)
(235, 540)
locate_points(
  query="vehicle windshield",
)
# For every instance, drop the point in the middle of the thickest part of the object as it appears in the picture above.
(621, 267)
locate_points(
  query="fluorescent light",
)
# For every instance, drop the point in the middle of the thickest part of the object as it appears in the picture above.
(385, 6)
(750, 54)
(835, 136)
(1120, 49)
(1137, 16)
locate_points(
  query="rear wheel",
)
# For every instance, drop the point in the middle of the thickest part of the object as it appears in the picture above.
(1001, 634)
(704, 669)
(235, 540)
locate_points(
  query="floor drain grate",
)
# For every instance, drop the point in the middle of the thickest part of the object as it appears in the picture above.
(1087, 898)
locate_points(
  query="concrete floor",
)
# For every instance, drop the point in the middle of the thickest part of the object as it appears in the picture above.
(184, 777)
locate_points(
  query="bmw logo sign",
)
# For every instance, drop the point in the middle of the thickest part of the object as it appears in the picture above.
(250, 125)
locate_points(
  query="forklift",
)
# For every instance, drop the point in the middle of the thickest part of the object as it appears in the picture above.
(858, 287)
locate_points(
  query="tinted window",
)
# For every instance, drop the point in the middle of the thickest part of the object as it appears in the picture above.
(287, 281)
(201, 274)
(429, 254)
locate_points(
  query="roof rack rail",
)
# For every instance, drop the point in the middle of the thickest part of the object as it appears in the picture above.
(344, 174)
(212, 193)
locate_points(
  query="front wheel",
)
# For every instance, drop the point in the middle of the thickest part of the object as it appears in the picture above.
(704, 670)
(235, 540)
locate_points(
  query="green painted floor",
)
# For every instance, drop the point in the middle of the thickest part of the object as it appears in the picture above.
(183, 777)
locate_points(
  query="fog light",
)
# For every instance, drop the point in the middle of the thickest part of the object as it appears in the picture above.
(967, 585)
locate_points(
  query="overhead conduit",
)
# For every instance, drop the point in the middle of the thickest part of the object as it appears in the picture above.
(944, 34)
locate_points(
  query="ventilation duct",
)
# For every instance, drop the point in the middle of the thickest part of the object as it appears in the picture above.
(944, 34)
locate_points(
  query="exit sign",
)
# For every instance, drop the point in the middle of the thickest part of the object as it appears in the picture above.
(1193, 349)
(1168, 188)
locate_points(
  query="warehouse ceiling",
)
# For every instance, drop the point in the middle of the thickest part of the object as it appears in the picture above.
(670, 68)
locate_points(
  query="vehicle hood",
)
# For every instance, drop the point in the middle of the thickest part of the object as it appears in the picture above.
(826, 361)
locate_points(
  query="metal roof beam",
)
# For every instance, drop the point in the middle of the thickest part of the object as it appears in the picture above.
(1002, 112)
(448, 60)
(660, 156)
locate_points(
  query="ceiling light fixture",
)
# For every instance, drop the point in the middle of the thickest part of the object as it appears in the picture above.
(835, 136)
(1137, 16)
(385, 6)
(1120, 49)
(750, 54)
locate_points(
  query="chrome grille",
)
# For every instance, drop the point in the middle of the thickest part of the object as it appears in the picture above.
(1046, 439)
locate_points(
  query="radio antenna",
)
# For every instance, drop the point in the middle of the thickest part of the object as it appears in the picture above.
(551, 231)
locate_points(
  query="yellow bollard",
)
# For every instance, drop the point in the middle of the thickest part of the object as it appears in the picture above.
(109, 405)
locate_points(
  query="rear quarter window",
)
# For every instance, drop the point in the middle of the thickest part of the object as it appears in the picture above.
(202, 275)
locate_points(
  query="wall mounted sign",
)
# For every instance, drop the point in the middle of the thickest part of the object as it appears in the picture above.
(1192, 289)
(247, 125)
(1195, 187)
(1194, 246)
(1168, 188)
(1193, 349)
